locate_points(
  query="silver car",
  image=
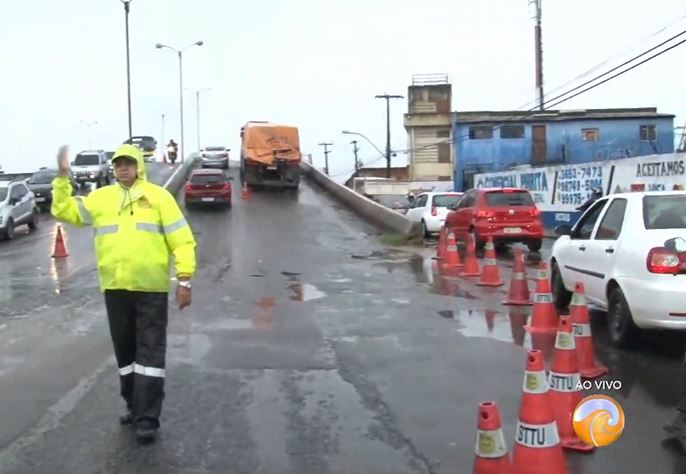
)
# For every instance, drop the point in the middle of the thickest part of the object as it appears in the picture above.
(17, 208)
(215, 157)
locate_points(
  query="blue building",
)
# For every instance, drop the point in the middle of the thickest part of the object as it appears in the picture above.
(498, 141)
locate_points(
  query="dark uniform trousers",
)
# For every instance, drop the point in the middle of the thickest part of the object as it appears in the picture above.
(138, 326)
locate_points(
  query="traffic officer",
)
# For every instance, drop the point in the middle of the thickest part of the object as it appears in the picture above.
(138, 226)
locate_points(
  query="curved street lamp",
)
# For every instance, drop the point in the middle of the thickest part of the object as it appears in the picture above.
(346, 132)
(128, 63)
(89, 125)
(180, 54)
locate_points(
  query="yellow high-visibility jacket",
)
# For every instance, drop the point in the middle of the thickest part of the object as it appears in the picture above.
(136, 230)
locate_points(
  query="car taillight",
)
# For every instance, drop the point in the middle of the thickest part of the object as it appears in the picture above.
(536, 212)
(189, 187)
(226, 187)
(434, 211)
(484, 214)
(662, 260)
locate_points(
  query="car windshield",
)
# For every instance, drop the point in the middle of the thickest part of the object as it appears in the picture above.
(207, 179)
(393, 201)
(664, 212)
(43, 177)
(87, 160)
(147, 143)
(215, 148)
(506, 199)
(3, 194)
(445, 200)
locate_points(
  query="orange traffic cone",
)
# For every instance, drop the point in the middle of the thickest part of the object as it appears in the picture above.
(471, 264)
(578, 310)
(565, 390)
(60, 250)
(537, 447)
(245, 192)
(519, 286)
(490, 275)
(491, 449)
(452, 256)
(543, 315)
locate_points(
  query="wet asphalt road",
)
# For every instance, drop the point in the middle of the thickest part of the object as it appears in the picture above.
(310, 348)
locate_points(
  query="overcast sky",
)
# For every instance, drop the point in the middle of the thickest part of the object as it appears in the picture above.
(316, 64)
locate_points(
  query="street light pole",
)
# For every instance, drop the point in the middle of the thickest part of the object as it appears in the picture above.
(346, 132)
(197, 102)
(180, 55)
(326, 155)
(128, 62)
(388, 129)
(89, 125)
(355, 150)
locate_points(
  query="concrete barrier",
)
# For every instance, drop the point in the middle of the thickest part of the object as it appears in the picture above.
(177, 180)
(372, 211)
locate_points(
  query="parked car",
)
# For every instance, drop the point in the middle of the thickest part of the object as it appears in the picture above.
(17, 208)
(397, 202)
(208, 186)
(507, 215)
(40, 185)
(430, 210)
(147, 144)
(91, 167)
(619, 250)
(215, 157)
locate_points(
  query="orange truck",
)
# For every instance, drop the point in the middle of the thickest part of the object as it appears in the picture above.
(270, 155)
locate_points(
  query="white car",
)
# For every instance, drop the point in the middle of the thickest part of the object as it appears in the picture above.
(215, 157)
(429, 210)
(629, 250)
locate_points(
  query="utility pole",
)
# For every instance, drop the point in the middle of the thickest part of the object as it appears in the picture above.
(326, 155)
(162, 147)
(355, 150)
(388, 129)
(539, 55)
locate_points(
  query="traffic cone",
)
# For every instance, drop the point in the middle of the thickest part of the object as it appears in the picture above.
(490, 276)
(491, 450)
(565, 389)
(245, 192)
(581, 320)
(537, 447)
(60, 250)
(451, 258)
(544, 314)
(471, 264)
(519, 286)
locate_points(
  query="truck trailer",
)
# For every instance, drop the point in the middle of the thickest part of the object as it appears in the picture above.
(270, 155)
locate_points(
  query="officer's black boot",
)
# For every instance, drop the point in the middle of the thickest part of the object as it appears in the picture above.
(145, 432)
(676, 429)
(127, 418)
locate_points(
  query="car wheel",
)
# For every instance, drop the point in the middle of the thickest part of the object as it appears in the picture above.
(33, 223)
(535, 245)
(621, 327)
(9, 231)
(475, 238)
(561, 296)
(425, 232)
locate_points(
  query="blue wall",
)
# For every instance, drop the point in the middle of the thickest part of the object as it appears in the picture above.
(618, 138)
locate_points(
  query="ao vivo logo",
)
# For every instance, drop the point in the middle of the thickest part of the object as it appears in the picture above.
(598, 420)
(599, 385)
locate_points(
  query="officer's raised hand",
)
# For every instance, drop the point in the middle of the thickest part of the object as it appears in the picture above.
(63, 164)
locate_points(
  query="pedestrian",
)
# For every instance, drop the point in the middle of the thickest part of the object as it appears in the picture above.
(138, 227)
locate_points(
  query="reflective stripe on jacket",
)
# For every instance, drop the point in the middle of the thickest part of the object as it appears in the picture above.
(136, 231)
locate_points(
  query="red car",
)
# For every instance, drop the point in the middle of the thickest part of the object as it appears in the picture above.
(208, 186)
(505, 214)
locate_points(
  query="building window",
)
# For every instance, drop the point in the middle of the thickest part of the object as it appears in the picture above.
(480, 132)
(443, 134)
(512, 131)
(648, 133)
(436, 95)
(590, 134)
(444, 153)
